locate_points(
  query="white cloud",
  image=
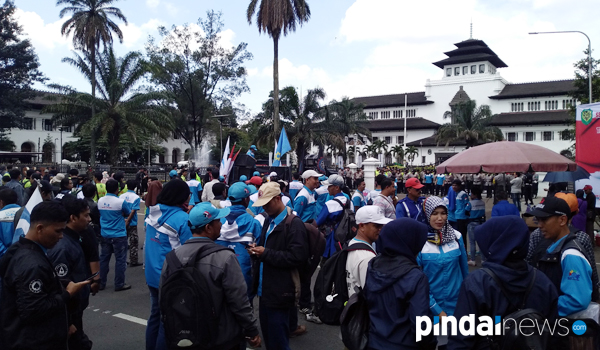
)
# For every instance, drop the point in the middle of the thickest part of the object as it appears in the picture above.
(134, 36)
(152, 3)
(171, 9)
(43, 35)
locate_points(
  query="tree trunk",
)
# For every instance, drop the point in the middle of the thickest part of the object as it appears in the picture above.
(93, 135)
(276, 85)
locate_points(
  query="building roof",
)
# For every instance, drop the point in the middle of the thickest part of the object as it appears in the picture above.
(398, 124)
(531, 118)
(431, 142)
(468, 51)
(460, 96)
(537, 89)
(396, 100)
(41, 99)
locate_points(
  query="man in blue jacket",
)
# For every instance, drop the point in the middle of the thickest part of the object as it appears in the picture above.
(503, 241)
(305, 202)
(239, 230)
(503, 207)
(411, 206)
(8, 209)
(561, 258)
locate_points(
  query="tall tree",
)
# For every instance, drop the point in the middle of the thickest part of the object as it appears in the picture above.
(275, 17)
(348, 118)
(121, 109)
(410, 153)
(398, 151)
(469, 123)
(91, 24)
(19, 69)
(201, 76)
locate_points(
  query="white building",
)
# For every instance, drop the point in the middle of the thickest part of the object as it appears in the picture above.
(534, 112)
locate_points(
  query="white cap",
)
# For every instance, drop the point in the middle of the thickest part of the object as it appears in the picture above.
(310, 173)
(371, 213)
(273, 174)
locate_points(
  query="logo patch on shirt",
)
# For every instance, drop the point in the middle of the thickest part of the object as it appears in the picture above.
(573, 275)
(35, 286)
(61, 270)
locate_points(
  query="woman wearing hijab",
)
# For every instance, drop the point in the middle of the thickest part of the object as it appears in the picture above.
(167, 229)
(504, 242)
(396, 289)
(444, 260)
(154, 189)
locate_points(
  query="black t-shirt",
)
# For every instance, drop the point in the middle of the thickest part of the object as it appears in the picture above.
(89, 244)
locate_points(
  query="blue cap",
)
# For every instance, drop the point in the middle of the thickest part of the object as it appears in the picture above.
(256, 173)
(253, 147)
(243, 178)
(238, 191)
(204, 213)
(221, 179)
(322, 178)
(252, 189)
(173, 173)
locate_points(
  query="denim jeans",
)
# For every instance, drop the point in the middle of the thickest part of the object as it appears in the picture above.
(118, 246)
(516, 198)
(471, 233)
(275, 326)
(155, 330)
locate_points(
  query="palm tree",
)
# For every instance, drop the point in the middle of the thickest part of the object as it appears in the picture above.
(91, 25)
(122, 111)
(381, 146)
(372, 150)
(469, 123)
(348, 118)
(410, 153)
(274, 17)
(398, 151)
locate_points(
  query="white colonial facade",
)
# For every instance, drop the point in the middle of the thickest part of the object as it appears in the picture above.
(535, 112)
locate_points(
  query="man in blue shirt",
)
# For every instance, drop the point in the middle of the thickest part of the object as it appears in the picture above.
(503, 207)
(305, 203)
(358, 198)
(411, 206)
(134, 201)
(295, 186)
(560, 257)
(429, 183)
(8, 209)
(460, 213)
(251, 151)
(114, 234)
(439, 184)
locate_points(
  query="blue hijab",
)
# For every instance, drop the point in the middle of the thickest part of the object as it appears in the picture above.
(503, 238)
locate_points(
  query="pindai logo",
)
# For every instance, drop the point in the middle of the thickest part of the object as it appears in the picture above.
(488, 326)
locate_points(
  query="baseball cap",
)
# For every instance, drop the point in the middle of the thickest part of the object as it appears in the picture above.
(588, 187)
(173, 173)
(571, 200)
(253, 147)
(204, 213)
(310, 173)
(255, 180)
(238, 191)
(371, 213)
(335, 180)
(273, 173)
(550, 206)
(414, 183)
(267, 192)
(256, 173)
(243, 178)
(252, 189)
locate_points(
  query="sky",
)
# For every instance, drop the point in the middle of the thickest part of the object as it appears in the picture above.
(349, 47)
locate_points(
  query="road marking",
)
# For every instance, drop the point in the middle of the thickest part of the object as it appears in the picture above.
(131, 319)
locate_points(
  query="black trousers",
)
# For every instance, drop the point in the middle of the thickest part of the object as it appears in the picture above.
(462, 228)
(527, 192)
(488, 190)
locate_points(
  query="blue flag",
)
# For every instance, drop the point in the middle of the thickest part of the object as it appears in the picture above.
(283, 146)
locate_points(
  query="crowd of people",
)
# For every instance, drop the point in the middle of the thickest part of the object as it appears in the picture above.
(254, 239)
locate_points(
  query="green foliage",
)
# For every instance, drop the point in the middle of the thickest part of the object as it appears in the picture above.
(19, 69)
(200, 76)
(411, 152)
(122, 111)
(469, 123)
(273, 17)
(130, 151)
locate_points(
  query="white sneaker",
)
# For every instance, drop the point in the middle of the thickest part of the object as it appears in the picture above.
(472, 263)
(314, 319)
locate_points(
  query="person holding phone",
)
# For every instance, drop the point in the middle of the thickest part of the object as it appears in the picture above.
(70, 265)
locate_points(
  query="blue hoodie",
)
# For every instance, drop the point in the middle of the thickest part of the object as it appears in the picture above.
(504, 208)
(397, 290)
(451, 202)
(240, 229)
(7, 228)
(503, 242)
(167, 229)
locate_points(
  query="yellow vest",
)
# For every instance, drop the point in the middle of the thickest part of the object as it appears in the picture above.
(101, 189)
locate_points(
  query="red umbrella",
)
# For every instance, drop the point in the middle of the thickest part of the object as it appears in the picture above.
(506, 156)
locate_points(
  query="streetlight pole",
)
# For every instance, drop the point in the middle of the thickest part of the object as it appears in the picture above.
(589, 55)
(221, 116)
(61, 147)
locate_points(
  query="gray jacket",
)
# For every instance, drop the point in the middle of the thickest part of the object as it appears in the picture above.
(228, 289)
(19, 189)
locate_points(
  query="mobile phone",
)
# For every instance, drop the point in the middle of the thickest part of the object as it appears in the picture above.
(92, 276)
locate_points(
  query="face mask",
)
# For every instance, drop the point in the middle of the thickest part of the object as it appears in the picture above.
(584, 195)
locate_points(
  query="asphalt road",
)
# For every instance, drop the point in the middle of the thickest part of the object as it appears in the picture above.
(116, 320)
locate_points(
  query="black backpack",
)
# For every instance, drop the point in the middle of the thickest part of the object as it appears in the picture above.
(512, 339)
(355, 321)
(347, 227)
(316, 242)
(331, 290)
(186, 305)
